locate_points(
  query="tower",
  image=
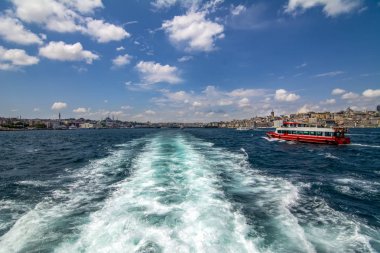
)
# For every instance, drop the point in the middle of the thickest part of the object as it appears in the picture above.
(59, 116)
(272, 114)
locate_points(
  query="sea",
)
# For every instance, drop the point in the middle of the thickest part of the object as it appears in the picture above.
(190, 190)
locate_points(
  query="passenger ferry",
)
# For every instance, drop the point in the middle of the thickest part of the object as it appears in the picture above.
(294, 131)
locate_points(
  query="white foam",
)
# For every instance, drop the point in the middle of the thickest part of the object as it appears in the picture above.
(332, 231)
(170, 203)
(364, 145)
(37, 227)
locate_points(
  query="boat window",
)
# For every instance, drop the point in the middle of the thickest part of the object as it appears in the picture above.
(306, 132)
(312, 133)
(320, 133)
(294, 132)
(328, 134)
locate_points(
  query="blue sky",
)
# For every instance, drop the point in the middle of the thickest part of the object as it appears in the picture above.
(168, 60)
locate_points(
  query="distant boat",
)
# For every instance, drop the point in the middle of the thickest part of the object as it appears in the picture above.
(244, 128)
(293, 131)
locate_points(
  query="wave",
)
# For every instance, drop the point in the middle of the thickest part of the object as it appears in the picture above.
(169, 204)
(57, 216)
(364, 145)
(178, 193)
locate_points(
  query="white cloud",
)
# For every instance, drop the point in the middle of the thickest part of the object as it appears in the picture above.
(54, 15)
(185, 58)
(120, 48)
(350, 95)
(237, 10)
(244, 102)
(122, 60)
(225, 102)
(80, 110)
(152, 73)
(283, 95)
(161, 4)
(67, 52)
(67, 16)
(337, 91)
(308, 108)
(329, 101)
(13, 58)
(11, 29)
(150, 112)
(197, 104)
(36, 109)
(193, 31)
(331, 8)
(179, 96)
(330, 74)
(246, 92)
(84, 6)
(105, 32)
(59, 106)
(371, 93)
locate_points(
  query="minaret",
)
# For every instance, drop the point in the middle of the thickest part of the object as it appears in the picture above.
(59, 116)
(272, 114)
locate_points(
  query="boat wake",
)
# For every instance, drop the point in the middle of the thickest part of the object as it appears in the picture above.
(177, 193)
(364, 145)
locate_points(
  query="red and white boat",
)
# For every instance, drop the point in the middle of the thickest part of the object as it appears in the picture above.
(294, 131)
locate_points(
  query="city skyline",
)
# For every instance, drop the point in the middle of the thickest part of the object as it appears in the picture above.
(187, 61)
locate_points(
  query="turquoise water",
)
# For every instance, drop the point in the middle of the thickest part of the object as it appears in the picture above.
(195, 190)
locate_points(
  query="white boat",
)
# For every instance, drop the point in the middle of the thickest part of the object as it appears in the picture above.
(244, 128)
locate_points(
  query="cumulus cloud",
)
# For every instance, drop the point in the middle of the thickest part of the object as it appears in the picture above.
(331, 8)
(350, 95)
(105, 32)
(84, 6)
(285, 96)
(193, 31)
(59, 106)
(161, 4)
(68, 16)
(152, 73)
(371, 93)
(11, 29)
(122, 60)
(53, 14)
(13, 58)
(329, 101)
(337, 91)
(67, 52)
(244, 102)
(308, 108)
(80, 110)
(246, 92)
(121, 48)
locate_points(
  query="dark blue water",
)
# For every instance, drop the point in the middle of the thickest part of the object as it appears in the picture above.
(192, 190)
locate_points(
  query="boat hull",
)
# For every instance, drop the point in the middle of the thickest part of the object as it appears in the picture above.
(310, 139)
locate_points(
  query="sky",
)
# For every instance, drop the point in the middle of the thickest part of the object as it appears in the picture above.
(187, 61)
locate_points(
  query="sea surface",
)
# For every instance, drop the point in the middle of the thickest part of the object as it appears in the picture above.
(191, 190)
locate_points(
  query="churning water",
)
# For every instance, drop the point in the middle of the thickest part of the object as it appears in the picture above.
(194, 190)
